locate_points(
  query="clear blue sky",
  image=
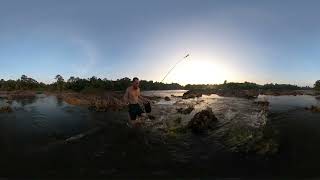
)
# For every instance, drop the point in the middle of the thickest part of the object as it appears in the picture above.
(260, 41)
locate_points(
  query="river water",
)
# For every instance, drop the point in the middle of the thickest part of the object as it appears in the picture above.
(122, 151)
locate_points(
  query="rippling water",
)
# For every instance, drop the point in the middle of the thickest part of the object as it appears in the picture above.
(122, 150)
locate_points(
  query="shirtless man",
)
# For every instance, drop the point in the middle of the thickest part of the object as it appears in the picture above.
(134, 99)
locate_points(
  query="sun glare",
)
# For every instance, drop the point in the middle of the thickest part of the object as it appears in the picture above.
(199, 70)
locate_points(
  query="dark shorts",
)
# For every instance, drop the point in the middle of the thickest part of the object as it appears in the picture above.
(134, 111)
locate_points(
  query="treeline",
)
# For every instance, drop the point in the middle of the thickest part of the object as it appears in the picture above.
(317, 85)
(244, 86)
(81, 84)
(24, 83)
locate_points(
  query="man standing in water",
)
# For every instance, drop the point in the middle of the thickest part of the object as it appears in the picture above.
(134, 99)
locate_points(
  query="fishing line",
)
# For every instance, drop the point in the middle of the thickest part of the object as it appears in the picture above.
(185, 57)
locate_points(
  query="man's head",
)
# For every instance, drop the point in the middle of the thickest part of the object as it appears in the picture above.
(135, 82)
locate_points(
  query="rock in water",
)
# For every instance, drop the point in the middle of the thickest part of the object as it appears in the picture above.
(187, 110)
(262, 103)
(313, 108)
(191, 94)
(167, 98)
(202, 121)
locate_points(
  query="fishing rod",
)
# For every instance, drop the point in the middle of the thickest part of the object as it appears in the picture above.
(185, 57)
(147, 106)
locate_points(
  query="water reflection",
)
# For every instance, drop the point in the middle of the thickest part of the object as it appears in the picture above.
(35, 120)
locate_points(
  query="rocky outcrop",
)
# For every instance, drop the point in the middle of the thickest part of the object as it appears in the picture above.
(250, 94)
(202, 121)
(282, 93)
(191, 94)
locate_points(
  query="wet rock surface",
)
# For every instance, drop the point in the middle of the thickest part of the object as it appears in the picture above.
(167, 98)
(191, 94)
(202, 121)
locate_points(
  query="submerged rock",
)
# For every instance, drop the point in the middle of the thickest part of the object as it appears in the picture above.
(313, 108)
(317, 97)
(167, 98)
(191, 94)
(151, 117)
(5, 109)
(262, 103)
(202, 121)
(187, 110)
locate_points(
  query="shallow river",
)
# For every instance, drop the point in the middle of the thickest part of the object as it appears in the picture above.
(122, 151)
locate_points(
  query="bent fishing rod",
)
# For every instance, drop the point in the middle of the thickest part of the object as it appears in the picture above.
(185, 57)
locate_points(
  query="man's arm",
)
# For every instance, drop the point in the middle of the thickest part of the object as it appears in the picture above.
(143, 99)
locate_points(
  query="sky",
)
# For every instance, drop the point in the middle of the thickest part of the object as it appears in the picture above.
(234, 40)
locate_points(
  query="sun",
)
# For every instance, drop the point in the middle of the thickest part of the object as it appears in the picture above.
(199, 70)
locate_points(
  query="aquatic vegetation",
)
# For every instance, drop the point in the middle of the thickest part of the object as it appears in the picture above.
(175, 131)
(245, 139)
(178, 120)
(5, 109)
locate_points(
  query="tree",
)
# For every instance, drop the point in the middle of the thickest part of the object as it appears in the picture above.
(60, 82)
(317, 85)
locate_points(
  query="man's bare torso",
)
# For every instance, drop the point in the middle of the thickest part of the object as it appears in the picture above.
(132, 95)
